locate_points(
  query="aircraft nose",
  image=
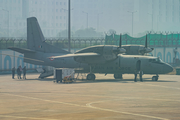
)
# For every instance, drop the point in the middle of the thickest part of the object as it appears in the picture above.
(168, 68)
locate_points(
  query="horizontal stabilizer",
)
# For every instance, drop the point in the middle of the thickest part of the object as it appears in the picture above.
(26, 58)
(77, 55)
(21, 50)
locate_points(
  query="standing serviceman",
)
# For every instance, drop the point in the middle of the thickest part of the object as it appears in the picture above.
(135, 75)
(140, 75)
(13, 72)
(24, 72)
(18, 72)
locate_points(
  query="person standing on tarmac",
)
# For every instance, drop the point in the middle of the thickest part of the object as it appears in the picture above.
(135, 74)
(18, 73)
(140, 75)
(24, 72)
(13, 72)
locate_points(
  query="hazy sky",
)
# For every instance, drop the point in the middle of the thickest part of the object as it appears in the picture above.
(102, 15)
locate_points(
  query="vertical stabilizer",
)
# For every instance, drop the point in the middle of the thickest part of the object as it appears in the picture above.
(35, 38)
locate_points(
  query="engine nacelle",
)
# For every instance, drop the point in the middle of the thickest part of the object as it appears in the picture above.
(143, 50)
(118, 50)
(106, 53)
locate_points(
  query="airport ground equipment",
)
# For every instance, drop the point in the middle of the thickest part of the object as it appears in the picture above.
(177, 71)
(46, 74)
(64, 74)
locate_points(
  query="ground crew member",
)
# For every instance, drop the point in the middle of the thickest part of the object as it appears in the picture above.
(24, 72)
(13, 72)
(18, 73)
(135, 74)
(140, 75)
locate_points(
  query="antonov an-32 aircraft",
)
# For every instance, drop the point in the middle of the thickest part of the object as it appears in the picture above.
(105, 59)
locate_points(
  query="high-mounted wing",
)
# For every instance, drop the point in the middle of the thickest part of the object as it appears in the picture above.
(82, 57)
(76, 55)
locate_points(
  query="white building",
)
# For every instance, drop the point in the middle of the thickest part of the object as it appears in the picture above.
(156, 15)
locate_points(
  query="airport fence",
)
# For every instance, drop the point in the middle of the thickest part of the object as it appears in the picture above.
(154, 40)
(62, 43)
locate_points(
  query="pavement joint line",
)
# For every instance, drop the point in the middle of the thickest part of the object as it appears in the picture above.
(118, 98)
(158, 86)
(19, 117)
(88, 106)
(128, 113)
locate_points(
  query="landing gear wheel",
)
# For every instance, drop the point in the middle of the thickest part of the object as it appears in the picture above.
(118, 76)
(155, 78)
(91, 77)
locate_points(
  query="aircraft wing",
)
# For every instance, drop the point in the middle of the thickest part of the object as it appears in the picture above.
(21, 50)
(77, 55)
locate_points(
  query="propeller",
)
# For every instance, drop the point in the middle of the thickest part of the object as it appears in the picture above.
(146, 49)
(120, 42)
(146, 42)
(119, 50)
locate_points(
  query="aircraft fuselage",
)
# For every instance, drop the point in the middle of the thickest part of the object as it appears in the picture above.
(122, 64)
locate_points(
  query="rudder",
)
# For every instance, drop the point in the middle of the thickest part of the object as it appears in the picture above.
(36, 41)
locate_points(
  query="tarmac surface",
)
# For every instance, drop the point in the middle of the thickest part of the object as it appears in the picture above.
(103, 99)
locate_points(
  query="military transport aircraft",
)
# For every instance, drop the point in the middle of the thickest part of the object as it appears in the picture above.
(95, 59)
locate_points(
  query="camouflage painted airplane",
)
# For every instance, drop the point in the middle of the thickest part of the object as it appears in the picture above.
(105, 59)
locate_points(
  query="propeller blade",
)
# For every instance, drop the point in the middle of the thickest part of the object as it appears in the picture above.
(120, 41)
(146, 42)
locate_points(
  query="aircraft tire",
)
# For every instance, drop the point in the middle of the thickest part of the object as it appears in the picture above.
(155, 78)
(91, 77)
(117, 76)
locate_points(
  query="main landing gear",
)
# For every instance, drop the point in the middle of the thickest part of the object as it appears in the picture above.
(117, 76)
(155, 78)
(91, 76)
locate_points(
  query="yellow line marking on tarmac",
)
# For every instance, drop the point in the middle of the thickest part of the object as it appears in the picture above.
(87, 106)
(18, 117)
(128, 113)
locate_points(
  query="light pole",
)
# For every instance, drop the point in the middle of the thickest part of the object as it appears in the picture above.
(132, 19)
(152, 20)
(69, 26)
(8, 20)
(98, 20)
(87, 18)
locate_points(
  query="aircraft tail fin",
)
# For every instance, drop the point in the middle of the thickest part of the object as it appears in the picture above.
(35, 38)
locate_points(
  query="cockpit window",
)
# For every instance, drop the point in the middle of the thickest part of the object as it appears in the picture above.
(156, 60)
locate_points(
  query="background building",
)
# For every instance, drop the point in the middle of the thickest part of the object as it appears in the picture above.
(102, 15)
